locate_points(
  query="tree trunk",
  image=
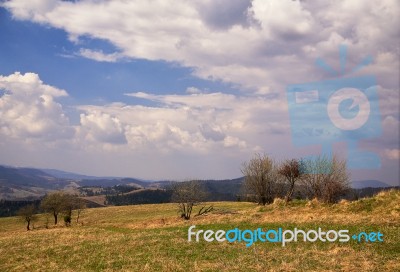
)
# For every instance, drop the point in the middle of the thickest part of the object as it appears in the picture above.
(28, 224)
(290, 193)
(55, 218)
(77, 216)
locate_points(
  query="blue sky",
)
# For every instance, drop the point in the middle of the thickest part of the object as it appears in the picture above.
(154, 90)
(28, 47)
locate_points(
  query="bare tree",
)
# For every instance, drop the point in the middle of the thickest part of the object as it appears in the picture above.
(260, 178)
(315, 173)
(80, 205)
(338, 183)
(187, 195)
(291, 171)
(28, 214)
(326, 179)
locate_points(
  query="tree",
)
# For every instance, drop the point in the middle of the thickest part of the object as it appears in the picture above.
(69, 203)
(260, 178)
(187, 195)
(80, 205)
(325, 179)
(338, 183)
(291, 171)
(54, 203)
(28, 214)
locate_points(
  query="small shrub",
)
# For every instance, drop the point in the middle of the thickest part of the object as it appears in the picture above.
(279, 202)
(67, 220)
(313, 203)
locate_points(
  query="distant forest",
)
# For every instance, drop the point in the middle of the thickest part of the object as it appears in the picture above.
(11, 207)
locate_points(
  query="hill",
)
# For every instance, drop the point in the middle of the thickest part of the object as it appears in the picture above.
(31, 184)
(27, 183)
(154, 238)
(359, 184)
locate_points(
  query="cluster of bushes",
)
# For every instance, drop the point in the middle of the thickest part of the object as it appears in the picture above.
(323, 178)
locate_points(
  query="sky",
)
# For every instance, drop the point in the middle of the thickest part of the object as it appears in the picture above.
(189, 89)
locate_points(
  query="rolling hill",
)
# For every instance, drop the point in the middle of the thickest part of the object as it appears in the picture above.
(30, 183)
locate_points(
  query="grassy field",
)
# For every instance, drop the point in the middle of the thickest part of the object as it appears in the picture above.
(154, 238)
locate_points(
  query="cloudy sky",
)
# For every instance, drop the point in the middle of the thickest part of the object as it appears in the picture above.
(182, 89)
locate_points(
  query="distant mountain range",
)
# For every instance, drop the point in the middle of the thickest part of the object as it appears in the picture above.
(31, 183)
(359, 184)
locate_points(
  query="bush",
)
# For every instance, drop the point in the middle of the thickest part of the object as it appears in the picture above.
(67, 220)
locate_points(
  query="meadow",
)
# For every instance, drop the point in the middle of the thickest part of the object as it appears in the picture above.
(154, 238)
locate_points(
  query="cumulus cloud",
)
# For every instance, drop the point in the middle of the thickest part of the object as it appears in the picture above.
(28, 108)
(192, 123)
(259, 45)
(97, 126)
(224, 14)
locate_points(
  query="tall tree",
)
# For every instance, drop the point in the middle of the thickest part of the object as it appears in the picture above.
(80, 205)
(260, 178)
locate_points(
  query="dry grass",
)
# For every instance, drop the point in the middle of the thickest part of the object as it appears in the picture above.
(154, 238)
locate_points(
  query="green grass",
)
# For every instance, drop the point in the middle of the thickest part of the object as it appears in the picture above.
(154, 238)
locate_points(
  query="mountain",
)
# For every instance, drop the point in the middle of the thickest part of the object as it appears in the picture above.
(27, 183)
(30, 183)
(359, 184)
(109, 182)
(66, 175)
(85, 180)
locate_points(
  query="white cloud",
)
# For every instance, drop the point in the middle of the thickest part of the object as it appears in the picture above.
(102, 127)
(99, 55)
(259, 45)
(193, 90)
(199, 123)
(28, 108)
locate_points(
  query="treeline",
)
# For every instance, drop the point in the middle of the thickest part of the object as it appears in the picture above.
(148, 196)
(11, 207)
(215, 192)
(113, 190)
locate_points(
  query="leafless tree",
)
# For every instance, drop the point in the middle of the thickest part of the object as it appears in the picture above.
(338, 183)
(326, 179)
(80, 205)
(28, 214)
(260, 178)
(291, 171)
(187, 195)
